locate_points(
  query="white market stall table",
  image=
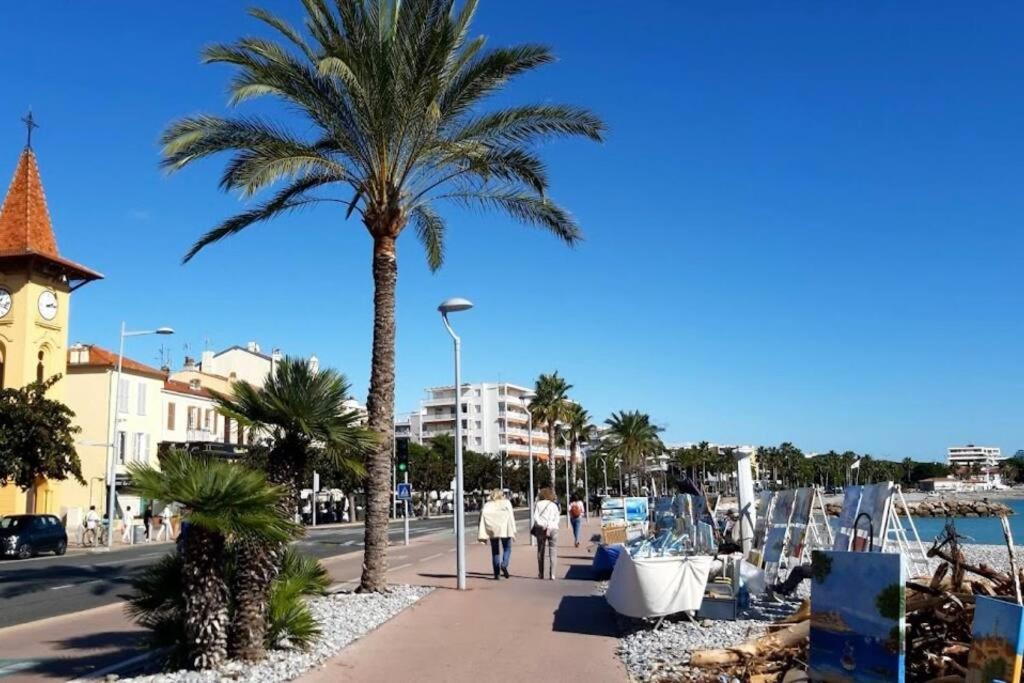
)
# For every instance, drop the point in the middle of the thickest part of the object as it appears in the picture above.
(658, 586)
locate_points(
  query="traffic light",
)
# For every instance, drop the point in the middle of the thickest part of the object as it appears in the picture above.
(401, 456)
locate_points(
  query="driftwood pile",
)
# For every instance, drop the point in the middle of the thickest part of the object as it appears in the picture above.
(939, 616)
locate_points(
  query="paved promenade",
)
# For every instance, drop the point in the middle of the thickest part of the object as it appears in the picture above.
(503, 624)
(517, 629)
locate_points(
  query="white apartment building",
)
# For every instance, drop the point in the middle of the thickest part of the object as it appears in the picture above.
(965, 456)
(493, 419)
(237, 363)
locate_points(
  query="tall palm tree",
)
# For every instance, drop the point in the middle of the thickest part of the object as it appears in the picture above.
(225, 502)
(577, 427)
(390, 92)
(299, 410)
(632, 437)
(549, 408)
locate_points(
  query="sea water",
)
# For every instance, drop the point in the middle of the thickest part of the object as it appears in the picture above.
(986, 530)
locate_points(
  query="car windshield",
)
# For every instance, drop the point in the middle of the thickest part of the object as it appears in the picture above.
(13, 522)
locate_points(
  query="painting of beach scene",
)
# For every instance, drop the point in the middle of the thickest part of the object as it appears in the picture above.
(844, 528)
(799, 521)
(779, 525)
(872, 517)
(613, 510)
(998, 644)
(857, 617)
(764, 504)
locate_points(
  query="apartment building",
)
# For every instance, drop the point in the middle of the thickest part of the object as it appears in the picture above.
(92, 393)
(493, 418)
(965, 456)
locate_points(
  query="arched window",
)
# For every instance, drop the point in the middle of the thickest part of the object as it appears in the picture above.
(40, 369)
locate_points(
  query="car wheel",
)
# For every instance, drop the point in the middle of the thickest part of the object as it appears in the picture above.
(24, 551)
(62, 547)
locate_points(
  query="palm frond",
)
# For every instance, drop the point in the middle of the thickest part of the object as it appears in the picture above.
(524, 207)
(430, 229)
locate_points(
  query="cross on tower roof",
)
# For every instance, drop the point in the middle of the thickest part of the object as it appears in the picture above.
(30, 123)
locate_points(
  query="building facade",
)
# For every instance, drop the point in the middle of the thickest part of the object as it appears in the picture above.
(966, 456)
(36, 283)
(493, 417)
(95, 397)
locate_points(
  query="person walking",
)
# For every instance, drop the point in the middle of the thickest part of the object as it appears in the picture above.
(545, 528)
(92, 522)
(576, 518)
(147, 521)
(498, 524)
(127, 523)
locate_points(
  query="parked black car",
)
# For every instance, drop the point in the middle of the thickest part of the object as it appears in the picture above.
(26, 535)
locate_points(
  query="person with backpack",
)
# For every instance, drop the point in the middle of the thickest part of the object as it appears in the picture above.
(545, 528)
(576, 518)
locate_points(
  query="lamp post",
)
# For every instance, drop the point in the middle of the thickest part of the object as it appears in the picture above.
(112, 431)
(454, 306)
(586, 485)
(527, 398)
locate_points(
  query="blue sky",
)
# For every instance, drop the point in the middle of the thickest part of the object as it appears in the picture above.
(804, 225)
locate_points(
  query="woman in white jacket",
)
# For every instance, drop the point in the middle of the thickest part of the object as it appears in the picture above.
(545, 527)
(498, 523)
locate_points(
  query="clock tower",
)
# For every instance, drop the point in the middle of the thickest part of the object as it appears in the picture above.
(36, 283)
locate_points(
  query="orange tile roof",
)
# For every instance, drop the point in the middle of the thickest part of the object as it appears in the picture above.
(185, 388)
(24, 218)
(102, 358)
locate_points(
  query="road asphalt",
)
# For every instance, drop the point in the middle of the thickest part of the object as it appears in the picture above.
(48, 586)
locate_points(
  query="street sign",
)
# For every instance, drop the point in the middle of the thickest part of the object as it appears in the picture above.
(404, 492)
(316, 482)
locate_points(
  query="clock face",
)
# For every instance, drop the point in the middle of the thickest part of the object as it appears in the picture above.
(48, 305)
(5, 302)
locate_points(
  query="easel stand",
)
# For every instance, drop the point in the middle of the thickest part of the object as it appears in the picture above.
(896, 539)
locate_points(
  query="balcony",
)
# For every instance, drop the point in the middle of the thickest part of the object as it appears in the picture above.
(438, 417)
(192, 434)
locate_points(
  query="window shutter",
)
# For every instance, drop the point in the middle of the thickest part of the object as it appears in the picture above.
(170, 416)
(122, 396)
(142, 398)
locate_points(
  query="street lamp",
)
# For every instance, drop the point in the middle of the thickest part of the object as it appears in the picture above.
(112, 431)
(454, 306)
(527, 398)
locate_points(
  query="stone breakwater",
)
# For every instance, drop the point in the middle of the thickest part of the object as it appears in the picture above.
(943, 507)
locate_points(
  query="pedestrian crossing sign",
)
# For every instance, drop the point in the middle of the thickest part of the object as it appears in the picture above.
(404, 492)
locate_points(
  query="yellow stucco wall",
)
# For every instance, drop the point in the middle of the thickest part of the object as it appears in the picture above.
(23, 334)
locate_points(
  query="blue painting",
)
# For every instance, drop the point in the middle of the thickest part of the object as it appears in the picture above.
(858, 602)
(998, 641)
(636, 510)
(613, 510)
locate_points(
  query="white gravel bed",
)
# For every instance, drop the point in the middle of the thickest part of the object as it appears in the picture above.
(994, 556)
(343, 618)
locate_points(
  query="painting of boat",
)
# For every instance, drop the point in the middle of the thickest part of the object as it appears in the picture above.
(857, 617)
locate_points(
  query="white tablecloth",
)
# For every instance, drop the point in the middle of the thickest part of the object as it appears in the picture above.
(656, 586)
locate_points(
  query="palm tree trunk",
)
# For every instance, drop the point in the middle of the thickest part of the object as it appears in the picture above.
(380, 406)
(206, 598)
(255, 569)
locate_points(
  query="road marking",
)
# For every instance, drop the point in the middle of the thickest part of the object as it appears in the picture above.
(120, 665)
(66, 585)
(450, 551)
(15, 666)
(432, 557)
(401, 566)
(349, 543)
